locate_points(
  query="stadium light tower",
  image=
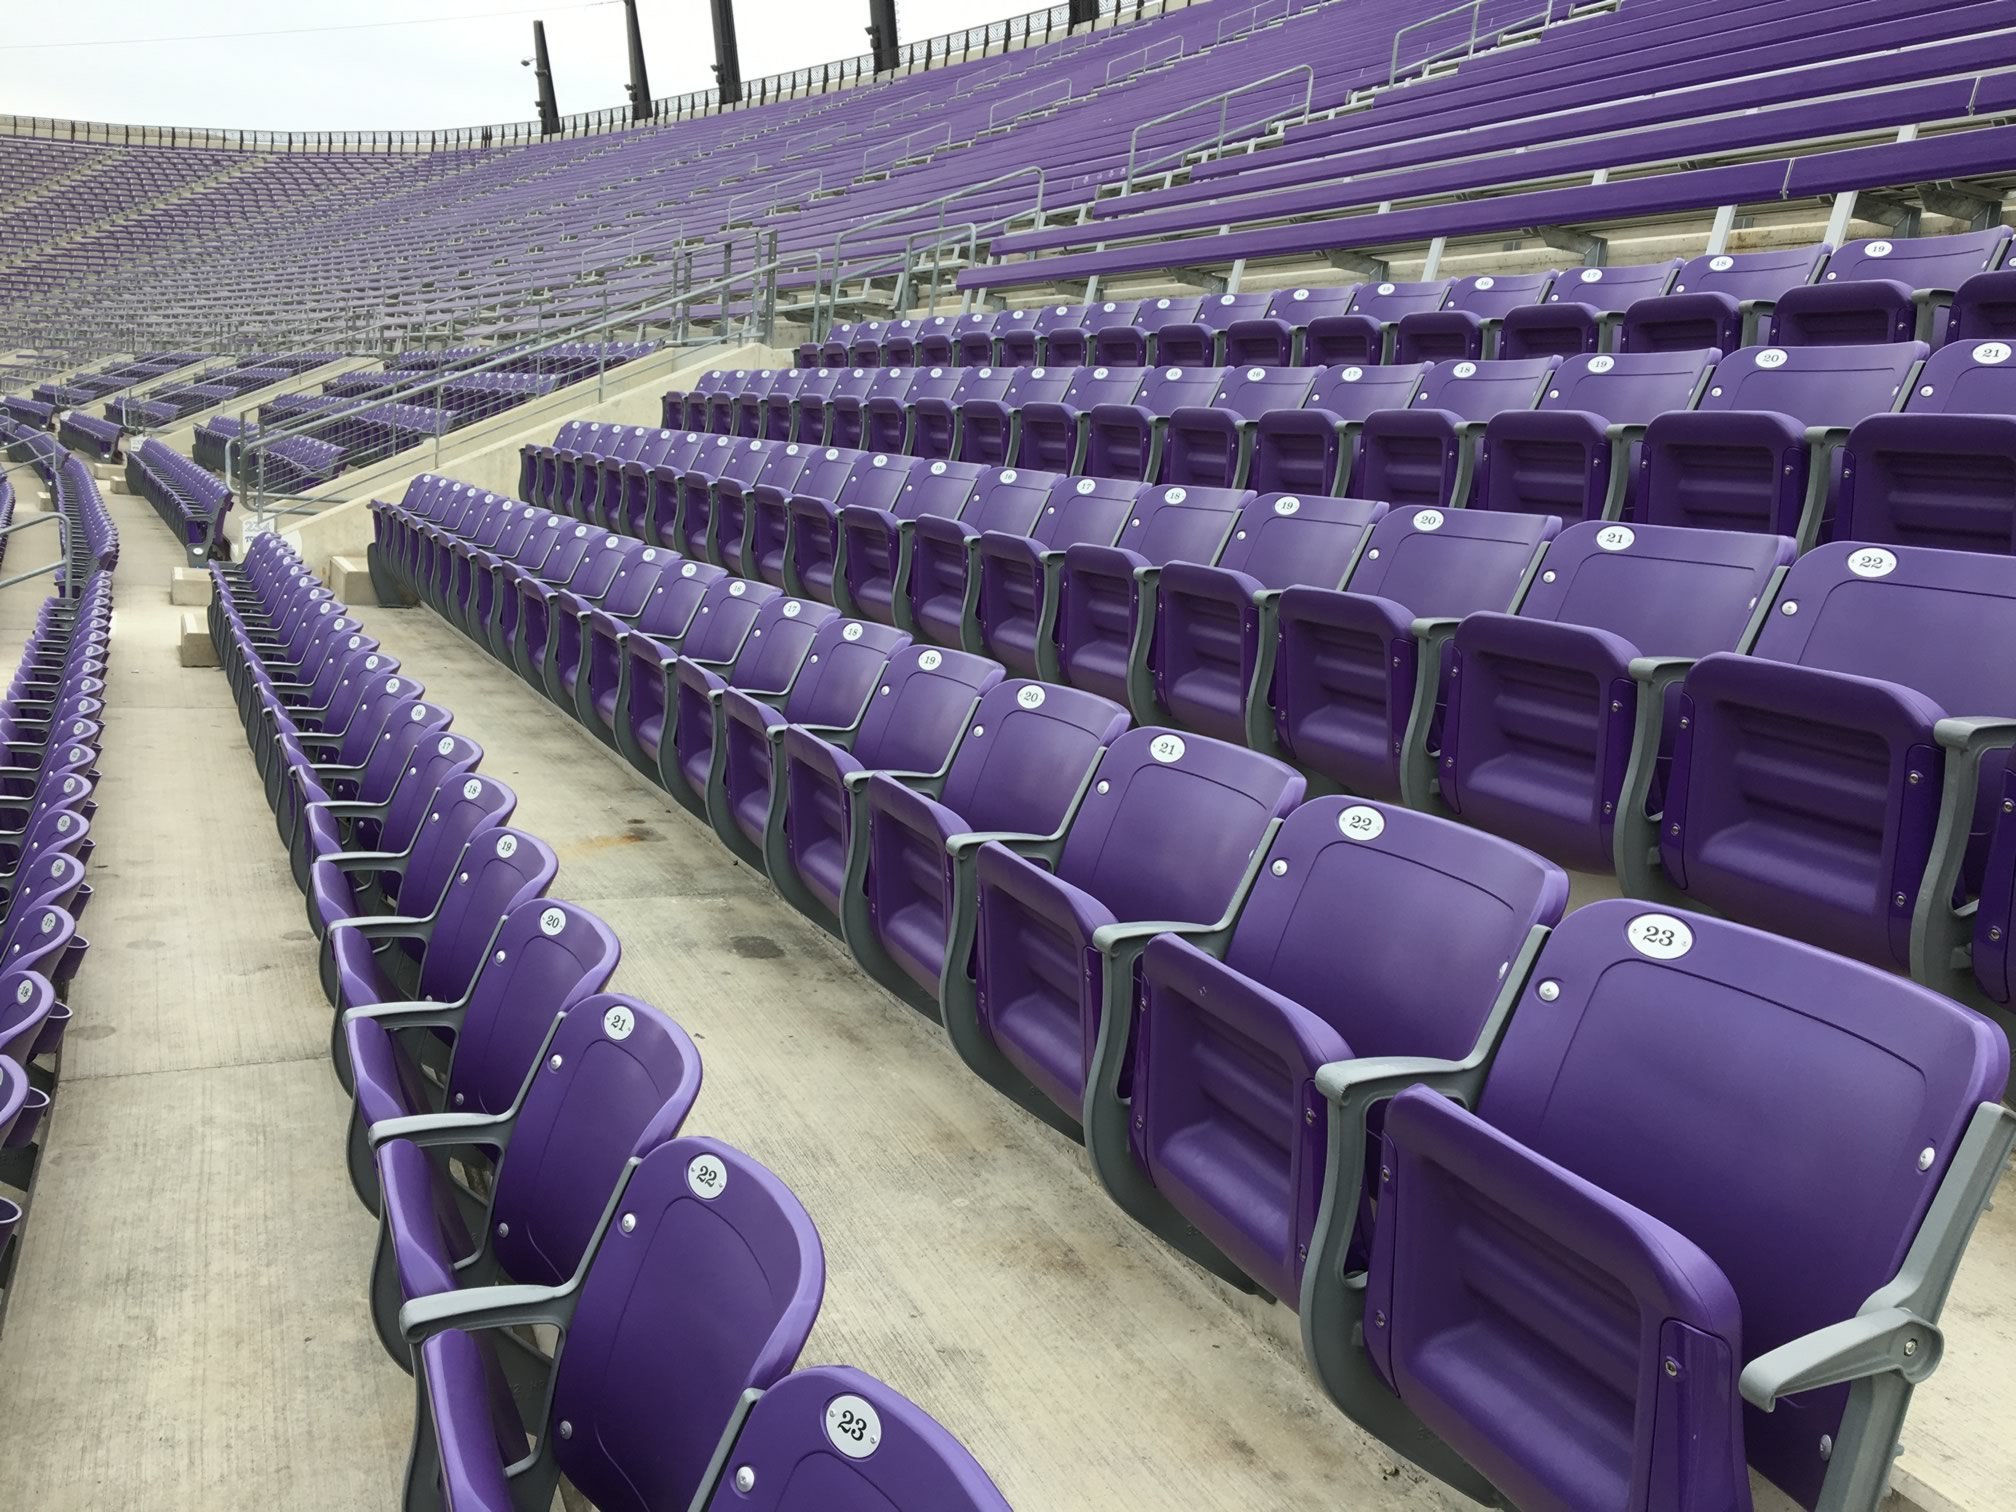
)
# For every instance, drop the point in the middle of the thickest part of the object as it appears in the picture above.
(542, 70)
(727, 60)
(882, 33)
(640, 81)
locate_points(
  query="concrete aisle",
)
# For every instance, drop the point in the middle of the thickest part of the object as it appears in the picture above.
(188, 1328)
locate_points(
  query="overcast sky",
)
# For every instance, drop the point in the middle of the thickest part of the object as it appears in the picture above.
(339, 66)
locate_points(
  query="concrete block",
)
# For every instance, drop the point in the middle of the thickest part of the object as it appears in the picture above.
(189, 585)
(349, 578)
(196, 648)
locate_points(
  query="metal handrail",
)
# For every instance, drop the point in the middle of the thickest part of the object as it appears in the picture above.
(1223, 100)
(823, 311)
(1142, 53)
(994, 109)
(1545, 17)
(254, 439)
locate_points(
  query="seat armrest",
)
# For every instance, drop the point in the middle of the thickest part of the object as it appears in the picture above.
(440, 1130)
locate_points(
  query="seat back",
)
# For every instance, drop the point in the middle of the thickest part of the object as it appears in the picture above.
(937, 488)
(841, 670)
(497, 870)
(706, 1288)
(726, 615)
(1669, 590)
(1170, 827)
(1844, 1072)
(1354, 390)
(547, 957)
(1965, 378)
(1478, 390)
(1249, 392)
(920, 707)
(1628, 388)
(1177, 524)
(1026, 754)
(1833, 386)
(780, 638)
(1090, 386)
(1086, 509)
(617, 1080)
(1492, 296)
(1388, 302)
(973, 338)
(1010, 499)
(1283, 539)
(1611, 290)
(1918, 262)
(831, 1439)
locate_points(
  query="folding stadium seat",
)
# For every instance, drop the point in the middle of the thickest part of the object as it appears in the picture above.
(942, 585)
(1365, 330)
(1132, 343)
(1017, 342)
(304, 761)
(668, 613)
(691, 526)
(1762, 451)
(543, 958)
(899, 344)
(1722, 301)
(834, 351)
(1314, 450)
(26, 1002)
(1576, 454)
(1466, 326)
(1053, 434)
(781, 405)
(1693, 1288)
(432, 953)
(830, 1439)
(622, 499)
(728, 512)
(1583, 310)
(864, 346)
(638, 581)
(847, 411)
(556, 569)
(812, 558)
(1885, 290)
(938, 420)
(740, 412)
(1425, 456)
(1021, 593)
(413, 865)
(990, 424)
(1877, 681)
(532, 643)
(768, 660)
(974, 338)
(1126, 439)
(385, 800)
(1076, 347)
(491, 607)
(1553, 711)
(923, 704)
(1173, 830)
(1942, 471)
(768, 515)
(1208, 1129)
(1211, 445)
(721, 622)
(617, 1080)
(1205, 635)
(814, 404)
(1058, 329)
(1276, 338)
(1198, 342)
(887, 423)
(938, 341)
(1984, 308)
(831, 692)
(702, 1291)
(593, 474)
(872, 551)
(560, 469)
(1021, 771)
(1106, 593)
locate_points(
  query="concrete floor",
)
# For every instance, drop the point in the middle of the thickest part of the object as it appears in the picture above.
(189, 1326)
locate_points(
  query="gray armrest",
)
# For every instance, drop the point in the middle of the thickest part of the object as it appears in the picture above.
(432, 1130)
(1891, 1339)
(487, 1307)
(1942, 936)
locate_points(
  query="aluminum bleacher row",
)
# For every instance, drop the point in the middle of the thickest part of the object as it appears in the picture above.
(51, 729)
(1136, 933)
(471, 1019)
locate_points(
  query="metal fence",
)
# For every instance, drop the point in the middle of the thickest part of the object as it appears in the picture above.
(1031, 29)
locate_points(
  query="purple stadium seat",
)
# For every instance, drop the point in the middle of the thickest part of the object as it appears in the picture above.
(991, 422)
(768, 514)
(1133, 344)
(1984, 308)
(1053, 432)
(768, 660)
(1173, 831)
(1218, 1142)
(1023, 767)
(1210, 445)
(1762, 452)
(874, 545)
(1314, 450)
(703, 1289)
(1020, 593)
(728, 511)
(1276, 338)
(1722, 301)
(1363, 333)
(1576, 454)
(1125, 439)
(1467, 325)
(942, 587)
(1550, 708)
(913, 723)
(1425, 456)
(1692, 1287)
(1582, 311)
(645, 708)
(1883, 290)
(812, 555)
